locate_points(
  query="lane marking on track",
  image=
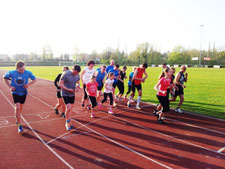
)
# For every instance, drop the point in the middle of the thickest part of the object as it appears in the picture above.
(3, 121)
(221, 150)
(76, 129)
(123, 146)
(43, 116)
(115, 142)
(30, 114)
(152, 130)
(187, 124)
(56, 154)
(200, 115)
(162, 133)
(42, 121)
(207, 129)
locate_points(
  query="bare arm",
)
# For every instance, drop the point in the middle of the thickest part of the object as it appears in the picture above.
(146, 75)
(82, 75)
(103, 81)
(186, 75)
(29, 84)
(8, 84)
(96, 74)
(157, 88)
(177, 79)
(118, 78)
(161, 75)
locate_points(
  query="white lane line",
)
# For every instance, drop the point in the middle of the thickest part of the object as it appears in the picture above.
(187, 112)
(76, 129)
(123, 146)
(220, 150)
(33, 122)
(187, 124)
(186, 142)
(183, 140)
(31, 114)
(168, 135)
(42, 121)
(3, 121)
(56, 154)
(41, 101)
(43, 117)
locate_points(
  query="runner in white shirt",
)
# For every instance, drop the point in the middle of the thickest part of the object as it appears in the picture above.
(85, 78)
(108, 92)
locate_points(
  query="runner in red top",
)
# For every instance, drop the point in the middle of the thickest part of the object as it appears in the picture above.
(136, 83)
(91, 89)
(161, 88)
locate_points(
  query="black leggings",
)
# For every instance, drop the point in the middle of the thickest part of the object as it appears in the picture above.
(85, 93)
(105, 98)
(129, 89)
(164, 101)
(120, 86)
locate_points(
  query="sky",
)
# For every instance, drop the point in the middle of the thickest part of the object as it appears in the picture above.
(64, 25)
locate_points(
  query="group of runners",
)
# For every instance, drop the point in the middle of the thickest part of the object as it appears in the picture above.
(93, 81)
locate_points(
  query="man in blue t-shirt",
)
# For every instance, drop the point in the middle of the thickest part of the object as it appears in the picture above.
(111, 66)
(116, 72)
(19, 84)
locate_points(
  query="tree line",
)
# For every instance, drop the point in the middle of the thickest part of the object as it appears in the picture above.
(144, 53)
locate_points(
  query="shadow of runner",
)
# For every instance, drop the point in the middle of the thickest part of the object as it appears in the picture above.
(116, 163)
(154, 139)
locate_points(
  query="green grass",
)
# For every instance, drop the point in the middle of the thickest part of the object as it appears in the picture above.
(205, 92)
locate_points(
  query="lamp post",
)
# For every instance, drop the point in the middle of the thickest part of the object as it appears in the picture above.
(200, 57)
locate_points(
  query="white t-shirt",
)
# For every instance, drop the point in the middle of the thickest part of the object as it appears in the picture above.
(109, 84)
(87, 75)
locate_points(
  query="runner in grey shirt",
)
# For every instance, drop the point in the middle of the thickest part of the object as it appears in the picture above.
(68, 83)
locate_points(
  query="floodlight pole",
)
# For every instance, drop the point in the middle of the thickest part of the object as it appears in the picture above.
(200, 57)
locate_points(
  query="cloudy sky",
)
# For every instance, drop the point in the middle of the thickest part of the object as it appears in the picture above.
(27, 25)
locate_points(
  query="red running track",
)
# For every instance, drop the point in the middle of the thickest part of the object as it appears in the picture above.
(129, 139)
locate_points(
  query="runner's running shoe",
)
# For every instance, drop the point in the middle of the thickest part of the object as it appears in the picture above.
(178, 110)
(138, 107)
(114, 104)
(68, 127)
(20, 129)
(110, 112)
(56, 111)
(160, 121)
(63, 115)
(155, 113)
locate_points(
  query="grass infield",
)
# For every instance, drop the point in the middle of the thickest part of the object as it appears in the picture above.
(205, 92)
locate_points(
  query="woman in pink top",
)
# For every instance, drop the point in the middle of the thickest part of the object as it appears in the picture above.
(161, 88)
(91, 89)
